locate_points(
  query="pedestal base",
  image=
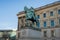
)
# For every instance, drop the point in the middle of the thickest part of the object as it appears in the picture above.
(29, 34)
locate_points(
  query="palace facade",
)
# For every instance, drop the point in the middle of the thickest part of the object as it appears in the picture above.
(49, 21)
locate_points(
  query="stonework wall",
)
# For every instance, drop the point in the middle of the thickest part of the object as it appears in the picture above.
(48, 17)
(29, 34)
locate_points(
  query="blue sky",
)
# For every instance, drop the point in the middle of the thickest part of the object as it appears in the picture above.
(9, 9)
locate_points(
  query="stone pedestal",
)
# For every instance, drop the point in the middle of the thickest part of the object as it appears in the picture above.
(29, 34)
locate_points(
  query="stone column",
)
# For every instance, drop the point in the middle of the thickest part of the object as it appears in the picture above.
(18, 29)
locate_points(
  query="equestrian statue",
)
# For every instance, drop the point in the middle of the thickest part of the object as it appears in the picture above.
(31, 16)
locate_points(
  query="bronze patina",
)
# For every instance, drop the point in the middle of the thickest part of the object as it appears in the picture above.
(30, 15)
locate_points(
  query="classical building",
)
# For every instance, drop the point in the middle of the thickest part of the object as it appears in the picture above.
(49, 21)
(7, 34)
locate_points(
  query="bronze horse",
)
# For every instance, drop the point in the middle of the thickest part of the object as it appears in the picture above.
(30, 15)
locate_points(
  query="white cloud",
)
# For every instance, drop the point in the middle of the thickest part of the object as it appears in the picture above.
(6, 25)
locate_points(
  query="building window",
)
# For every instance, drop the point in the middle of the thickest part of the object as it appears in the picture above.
(38, 23)
(38, 16)
(59, 11)
(52, 22)
(51, 13)
(44, 23)
(52, 33)
(44, 15)
(59, 21)
(45, 33)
